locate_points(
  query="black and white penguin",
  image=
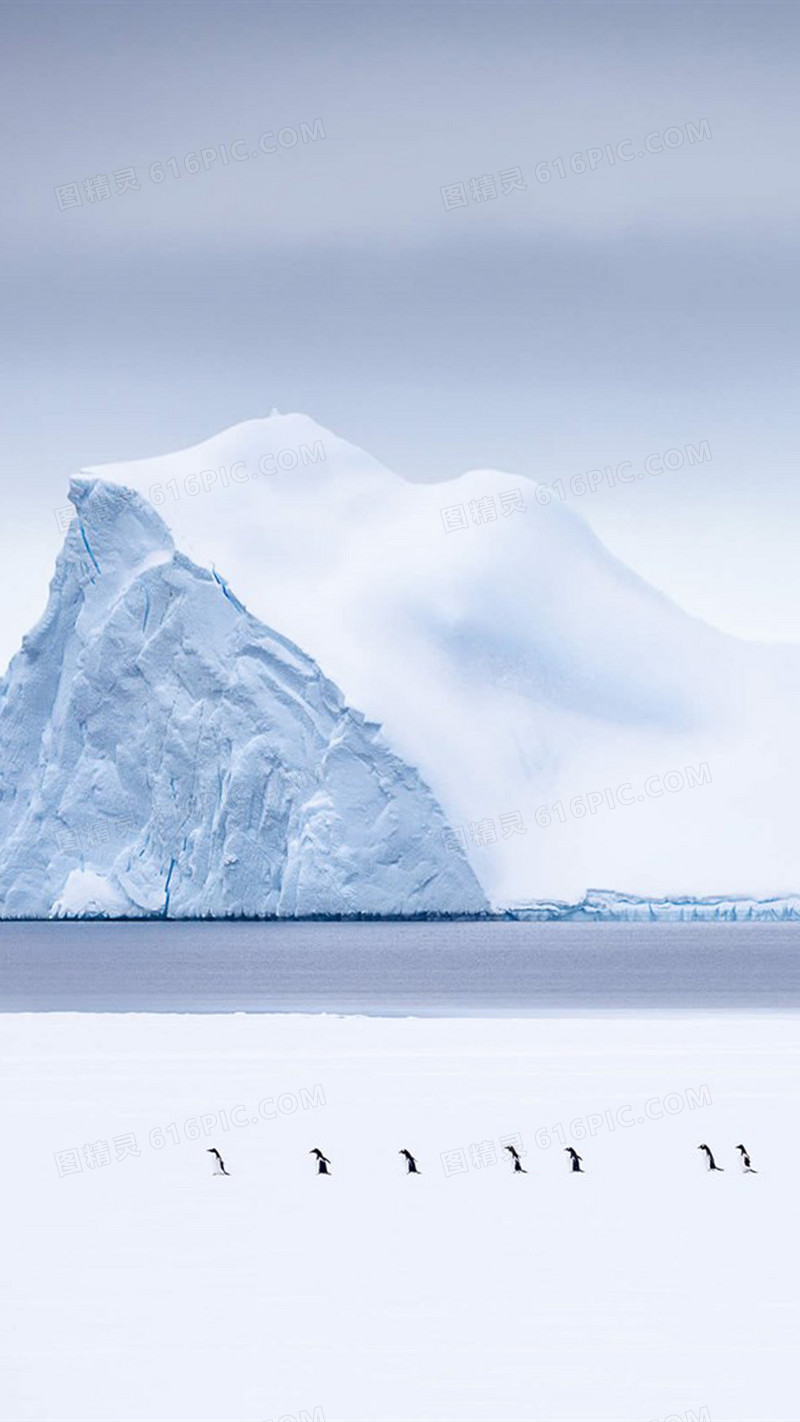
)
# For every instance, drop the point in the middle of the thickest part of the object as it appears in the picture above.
(746, 1166)
(323, 1164)
(219, 1163)
(711, 1164)
(410, 1162)
(575, 1161)
(519, 1168)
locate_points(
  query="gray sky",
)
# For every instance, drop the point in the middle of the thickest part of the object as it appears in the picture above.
(643, 302)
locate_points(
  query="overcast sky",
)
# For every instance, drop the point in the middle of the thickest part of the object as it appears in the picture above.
(619, 279)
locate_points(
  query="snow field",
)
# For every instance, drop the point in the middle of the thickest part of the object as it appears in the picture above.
(148, 1289)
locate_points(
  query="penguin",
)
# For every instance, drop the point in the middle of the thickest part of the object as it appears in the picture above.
(711, 1164)
(746, 1166)
(323, 1164)
(413, 1169)
(575, 1161)
(219, 1163)
(519, 1168)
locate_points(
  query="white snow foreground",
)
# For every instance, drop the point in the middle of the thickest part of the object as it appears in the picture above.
(163, 752)
(576, 726)
(143, 1288)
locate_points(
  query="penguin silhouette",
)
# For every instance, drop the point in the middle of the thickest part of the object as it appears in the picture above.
(219, 1163)
(323, 1164)
(519, 1168)
(711, 1164)
(575, 1161)
(746, 1166)
(413, 1169)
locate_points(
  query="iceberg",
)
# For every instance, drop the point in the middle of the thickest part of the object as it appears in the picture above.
(576, 726)
(162, 752)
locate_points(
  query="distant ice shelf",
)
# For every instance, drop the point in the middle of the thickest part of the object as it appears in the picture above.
(599, 905)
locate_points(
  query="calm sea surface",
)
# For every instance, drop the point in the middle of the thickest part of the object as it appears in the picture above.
(428, 969)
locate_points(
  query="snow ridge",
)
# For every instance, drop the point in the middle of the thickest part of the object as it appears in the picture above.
(164, 753)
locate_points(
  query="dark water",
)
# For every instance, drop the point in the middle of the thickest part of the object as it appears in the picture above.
(428, 969)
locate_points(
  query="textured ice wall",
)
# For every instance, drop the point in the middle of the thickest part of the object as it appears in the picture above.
(163, 752)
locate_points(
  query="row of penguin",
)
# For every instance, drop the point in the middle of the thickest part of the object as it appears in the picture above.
(575, 1162)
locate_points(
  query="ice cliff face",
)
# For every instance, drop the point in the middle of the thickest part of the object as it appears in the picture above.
(163, 752)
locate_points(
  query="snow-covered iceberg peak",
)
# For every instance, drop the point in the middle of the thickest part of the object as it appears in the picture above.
(510, 657)
(163, 752)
